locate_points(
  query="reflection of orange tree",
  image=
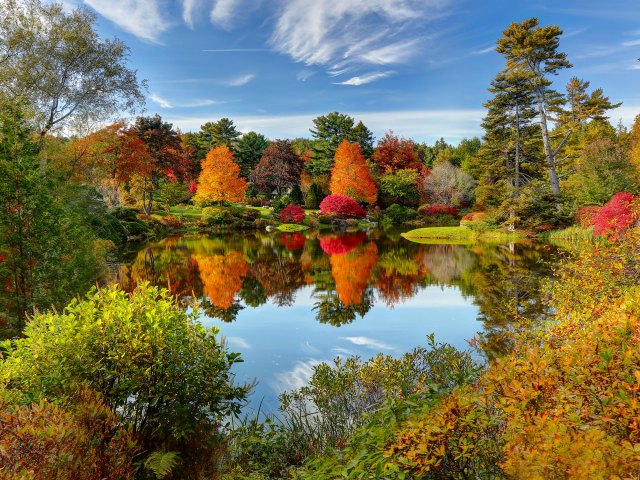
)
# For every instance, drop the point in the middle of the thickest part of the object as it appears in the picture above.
(222, 276)
(351, 272)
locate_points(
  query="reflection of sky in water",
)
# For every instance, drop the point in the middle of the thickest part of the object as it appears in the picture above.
(280, 345)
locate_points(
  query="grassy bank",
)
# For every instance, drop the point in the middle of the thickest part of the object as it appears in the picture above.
(459, 234)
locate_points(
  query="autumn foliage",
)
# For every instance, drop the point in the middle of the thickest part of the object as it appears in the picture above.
(395, 153)
(616, 216)
(339, 244)
(440, 209)
(220, 179)
(291, 214)
(222, 276)
(83, 441)
(351, 175)
(341, 206)
(352, 271)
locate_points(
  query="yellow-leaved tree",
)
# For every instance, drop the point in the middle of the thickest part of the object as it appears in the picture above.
(351, 175)
(220, 180)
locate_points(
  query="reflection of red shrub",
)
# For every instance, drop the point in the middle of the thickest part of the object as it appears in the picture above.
(615, 217)
(339, 244)
(586, 215)
(341, 206)
(292, 241)
(439, 209)
(291, 214)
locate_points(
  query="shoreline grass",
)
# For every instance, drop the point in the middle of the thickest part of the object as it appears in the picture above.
(460, 235)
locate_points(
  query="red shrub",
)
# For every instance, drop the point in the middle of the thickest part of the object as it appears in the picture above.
(341, 206)
(585, 216)
(291, 214)
(440, 209)
(292, 241)
(339, 244)
(616, 216)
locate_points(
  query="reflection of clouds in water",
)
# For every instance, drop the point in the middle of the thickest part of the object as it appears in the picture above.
(296, 378)
(342, 352)
(369, 342)
(309, 349)
(237, 342)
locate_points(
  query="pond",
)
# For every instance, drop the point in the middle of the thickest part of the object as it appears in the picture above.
(287, 301)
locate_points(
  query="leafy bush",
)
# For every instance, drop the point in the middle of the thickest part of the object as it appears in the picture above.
(585, 215)
(292, 214)
(616, 216)
(123, 213)
(341, 206)
(171, 221)
(398, 214)
(162, 373)
(81, 440)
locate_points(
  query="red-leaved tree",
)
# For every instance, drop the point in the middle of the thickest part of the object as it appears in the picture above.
(291, 214)
(341, 206)
(395, 153)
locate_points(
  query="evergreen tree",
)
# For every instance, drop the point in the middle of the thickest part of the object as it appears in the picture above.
(295, 196)
(249, 150)
(532, 55)
(215, 134)
(364, 138)
(509, 157)
(314, 196)
(329, 130)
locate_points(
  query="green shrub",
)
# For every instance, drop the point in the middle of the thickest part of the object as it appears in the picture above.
(215, 216)
(398, 214)
(163, 373)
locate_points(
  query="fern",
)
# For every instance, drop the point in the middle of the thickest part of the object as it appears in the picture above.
(161, 463)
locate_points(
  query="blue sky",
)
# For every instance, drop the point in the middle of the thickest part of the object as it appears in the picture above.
(419, 67)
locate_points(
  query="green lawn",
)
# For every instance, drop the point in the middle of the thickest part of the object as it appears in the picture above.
(189, 212)
(291, 227)
(459, 235)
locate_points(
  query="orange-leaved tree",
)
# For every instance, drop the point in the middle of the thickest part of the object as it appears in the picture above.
(351, 175)
(220, 179)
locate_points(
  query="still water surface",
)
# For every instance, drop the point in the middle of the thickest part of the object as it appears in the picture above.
(288, 301)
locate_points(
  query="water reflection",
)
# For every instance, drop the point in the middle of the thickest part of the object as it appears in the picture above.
(348, 274)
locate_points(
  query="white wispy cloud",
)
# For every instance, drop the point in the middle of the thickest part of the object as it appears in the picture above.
(189, 8)
(304, 75)
(484, 51)
(240, 80)
(399, 52)
(364, 79)
(141, 18)
(369, 343)
(164, 103)
(223, 13)
(631, 43)
(336, 33)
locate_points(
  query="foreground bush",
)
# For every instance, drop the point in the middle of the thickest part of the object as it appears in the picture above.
(82, 440)
(165, 375)
(563, 404)
(341, 206)
(616, 216)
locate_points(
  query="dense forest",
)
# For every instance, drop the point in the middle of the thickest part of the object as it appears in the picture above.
(98, 382)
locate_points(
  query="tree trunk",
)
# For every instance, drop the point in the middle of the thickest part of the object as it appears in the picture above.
(549, 154)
